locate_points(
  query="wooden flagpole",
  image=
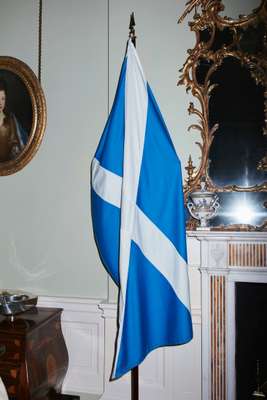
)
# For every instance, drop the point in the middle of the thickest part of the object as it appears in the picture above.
(135, 383)
(134, 371)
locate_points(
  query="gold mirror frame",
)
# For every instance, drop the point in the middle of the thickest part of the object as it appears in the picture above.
(207, 16)
(32, 86)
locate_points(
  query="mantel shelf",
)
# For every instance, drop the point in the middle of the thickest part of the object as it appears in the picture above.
(228, 235)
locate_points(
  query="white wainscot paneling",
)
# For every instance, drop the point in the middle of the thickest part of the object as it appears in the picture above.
(90, 327)
(83, 330)
(166, 374)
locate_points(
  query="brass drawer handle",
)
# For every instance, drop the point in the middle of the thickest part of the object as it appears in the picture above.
(2, 349)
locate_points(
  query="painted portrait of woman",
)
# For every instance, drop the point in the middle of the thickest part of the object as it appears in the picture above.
(14, 131)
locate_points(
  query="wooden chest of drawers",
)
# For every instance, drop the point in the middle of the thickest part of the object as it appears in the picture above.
(33, 354)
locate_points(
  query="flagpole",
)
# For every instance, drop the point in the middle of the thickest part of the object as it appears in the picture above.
(135, 383)
(135, 370)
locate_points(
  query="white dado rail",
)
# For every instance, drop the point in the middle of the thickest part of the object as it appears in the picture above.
(225, 258)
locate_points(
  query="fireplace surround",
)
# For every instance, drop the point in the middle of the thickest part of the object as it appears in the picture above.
(225, 259)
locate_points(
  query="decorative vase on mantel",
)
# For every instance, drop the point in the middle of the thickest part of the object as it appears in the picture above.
(203, 205)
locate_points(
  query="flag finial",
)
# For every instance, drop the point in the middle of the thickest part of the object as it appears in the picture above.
(132, 35)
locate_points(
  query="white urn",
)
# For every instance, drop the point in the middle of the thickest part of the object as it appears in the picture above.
(203, 205)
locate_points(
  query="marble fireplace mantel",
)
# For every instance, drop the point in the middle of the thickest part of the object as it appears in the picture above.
(225, 258)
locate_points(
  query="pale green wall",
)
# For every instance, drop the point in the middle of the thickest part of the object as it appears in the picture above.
(46, 242)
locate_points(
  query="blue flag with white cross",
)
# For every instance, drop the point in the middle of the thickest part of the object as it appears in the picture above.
(138, 220)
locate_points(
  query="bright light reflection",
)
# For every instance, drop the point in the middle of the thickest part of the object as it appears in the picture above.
(244, 212)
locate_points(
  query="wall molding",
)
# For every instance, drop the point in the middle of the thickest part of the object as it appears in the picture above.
(109, 310)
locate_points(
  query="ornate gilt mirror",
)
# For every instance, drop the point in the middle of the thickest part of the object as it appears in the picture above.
(226, 72)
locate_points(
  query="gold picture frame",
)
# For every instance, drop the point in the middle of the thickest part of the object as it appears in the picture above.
(22, 115)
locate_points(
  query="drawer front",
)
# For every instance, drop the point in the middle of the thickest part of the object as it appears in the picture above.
(10, 376)
(10, 349)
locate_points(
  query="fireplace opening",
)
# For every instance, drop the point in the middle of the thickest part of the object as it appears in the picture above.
(251, 339)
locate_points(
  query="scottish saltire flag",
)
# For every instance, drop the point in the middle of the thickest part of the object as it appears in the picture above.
(138, 221)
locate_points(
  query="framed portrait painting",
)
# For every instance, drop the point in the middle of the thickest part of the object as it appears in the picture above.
(22, 115)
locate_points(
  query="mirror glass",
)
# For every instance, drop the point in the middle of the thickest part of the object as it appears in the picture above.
(237, 105)
(242, 7)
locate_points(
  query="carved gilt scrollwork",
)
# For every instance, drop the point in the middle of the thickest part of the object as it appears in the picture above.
(207, 19)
